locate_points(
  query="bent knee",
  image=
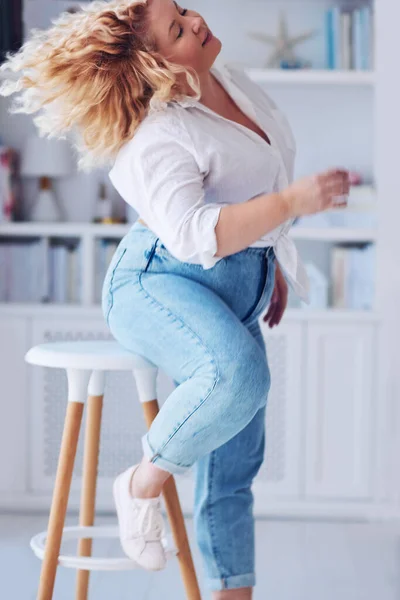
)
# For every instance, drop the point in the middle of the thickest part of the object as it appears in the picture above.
(248, 380)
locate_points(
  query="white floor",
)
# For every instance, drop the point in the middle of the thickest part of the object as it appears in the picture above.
(295, 561)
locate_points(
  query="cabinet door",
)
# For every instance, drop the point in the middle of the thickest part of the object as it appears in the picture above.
(279, 477)
(14, 336)
(340, 394)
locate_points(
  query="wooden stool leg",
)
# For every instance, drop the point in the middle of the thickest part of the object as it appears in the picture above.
(89, 481)
(177, 521)
(59, 503)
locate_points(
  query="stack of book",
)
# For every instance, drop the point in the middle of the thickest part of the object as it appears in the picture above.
(353, 276)
(34, 271)
(350, 38)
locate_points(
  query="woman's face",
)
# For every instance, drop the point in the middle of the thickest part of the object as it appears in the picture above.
(182, 36)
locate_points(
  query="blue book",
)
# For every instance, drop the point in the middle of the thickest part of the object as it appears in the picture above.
(330, 56)
(333, 37)
(366, 28)
(337, 37)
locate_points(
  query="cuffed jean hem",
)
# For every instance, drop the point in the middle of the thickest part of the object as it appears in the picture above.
(159, 461)
(231, 583)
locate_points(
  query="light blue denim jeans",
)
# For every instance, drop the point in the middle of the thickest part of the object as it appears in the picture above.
(201, 328)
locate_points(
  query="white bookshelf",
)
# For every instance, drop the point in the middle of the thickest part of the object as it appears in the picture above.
(334, 234)
(87, 235)
(312, 77)
(97, 231)
(21, 229)
(293, 77)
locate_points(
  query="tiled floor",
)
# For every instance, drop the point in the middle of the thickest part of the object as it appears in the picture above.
(296, 560)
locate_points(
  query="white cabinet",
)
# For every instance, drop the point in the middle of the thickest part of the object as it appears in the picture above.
(14, 342)
(321, 443)
(279, 477)
(340, 389)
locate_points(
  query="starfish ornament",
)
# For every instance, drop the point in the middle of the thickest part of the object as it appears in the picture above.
(284, 44)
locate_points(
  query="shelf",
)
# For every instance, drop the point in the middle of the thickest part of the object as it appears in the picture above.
(334, 234)
(292, 77)
(30, 229)
(331, 234)
(94, 310)
(312, 77)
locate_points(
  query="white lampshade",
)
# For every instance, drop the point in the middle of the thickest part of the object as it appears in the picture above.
(44, 157)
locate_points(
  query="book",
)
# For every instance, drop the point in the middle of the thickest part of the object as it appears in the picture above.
(333, 36)
(346, 41)
(349, 38)
(353, 276)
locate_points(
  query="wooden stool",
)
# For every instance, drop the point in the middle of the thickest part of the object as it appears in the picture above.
(86, 364)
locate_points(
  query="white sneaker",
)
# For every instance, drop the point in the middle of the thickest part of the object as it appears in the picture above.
(141, 524)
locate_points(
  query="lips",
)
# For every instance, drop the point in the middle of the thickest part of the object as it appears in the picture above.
(207, 38)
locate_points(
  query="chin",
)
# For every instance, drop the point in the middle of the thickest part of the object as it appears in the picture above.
(217, 47)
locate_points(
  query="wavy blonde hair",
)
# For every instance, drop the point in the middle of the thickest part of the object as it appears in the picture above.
(95, 73)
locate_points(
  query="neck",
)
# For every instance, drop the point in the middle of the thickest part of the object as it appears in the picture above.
(212, 94)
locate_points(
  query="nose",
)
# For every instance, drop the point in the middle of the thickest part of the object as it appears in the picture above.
(197, 24)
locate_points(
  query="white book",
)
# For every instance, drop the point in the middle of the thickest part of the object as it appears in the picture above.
(30, 261)
(3, 278)
(15, 266)
(22, 291)
(36, 274)
(60, 274)
(13, 296)
(73, 267)
(52, 269)
(339, 276)
(43, 271)
(346, 41)
(8, 273)
(79, 274)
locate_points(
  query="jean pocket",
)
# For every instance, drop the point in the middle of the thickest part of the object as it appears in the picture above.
(265, 294)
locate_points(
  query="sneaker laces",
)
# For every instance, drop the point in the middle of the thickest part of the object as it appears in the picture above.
(147, 519)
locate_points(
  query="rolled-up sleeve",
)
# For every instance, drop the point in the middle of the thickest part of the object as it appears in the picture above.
(166, 180)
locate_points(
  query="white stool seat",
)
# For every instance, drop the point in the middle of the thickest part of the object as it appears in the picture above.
(86, 355)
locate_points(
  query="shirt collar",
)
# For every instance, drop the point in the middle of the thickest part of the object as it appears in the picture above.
(220, 71)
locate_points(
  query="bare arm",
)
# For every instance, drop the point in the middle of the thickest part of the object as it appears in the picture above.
(240, 225)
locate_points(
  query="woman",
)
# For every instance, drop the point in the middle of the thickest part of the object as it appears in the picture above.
(206, 159)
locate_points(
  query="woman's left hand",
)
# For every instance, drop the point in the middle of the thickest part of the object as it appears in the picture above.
(279, 300)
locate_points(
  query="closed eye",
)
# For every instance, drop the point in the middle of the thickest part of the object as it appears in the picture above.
(182, 12)
(181, 28)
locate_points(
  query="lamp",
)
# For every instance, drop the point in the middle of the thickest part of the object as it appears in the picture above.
(46, 158)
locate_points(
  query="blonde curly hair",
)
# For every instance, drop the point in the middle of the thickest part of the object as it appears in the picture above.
(95, 73)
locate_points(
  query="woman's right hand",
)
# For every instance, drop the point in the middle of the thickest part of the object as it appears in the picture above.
(317, 193)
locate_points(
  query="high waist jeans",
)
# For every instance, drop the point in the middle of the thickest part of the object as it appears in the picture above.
(201, 328)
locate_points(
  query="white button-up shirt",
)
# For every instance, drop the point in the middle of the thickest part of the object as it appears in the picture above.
(185, 162)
